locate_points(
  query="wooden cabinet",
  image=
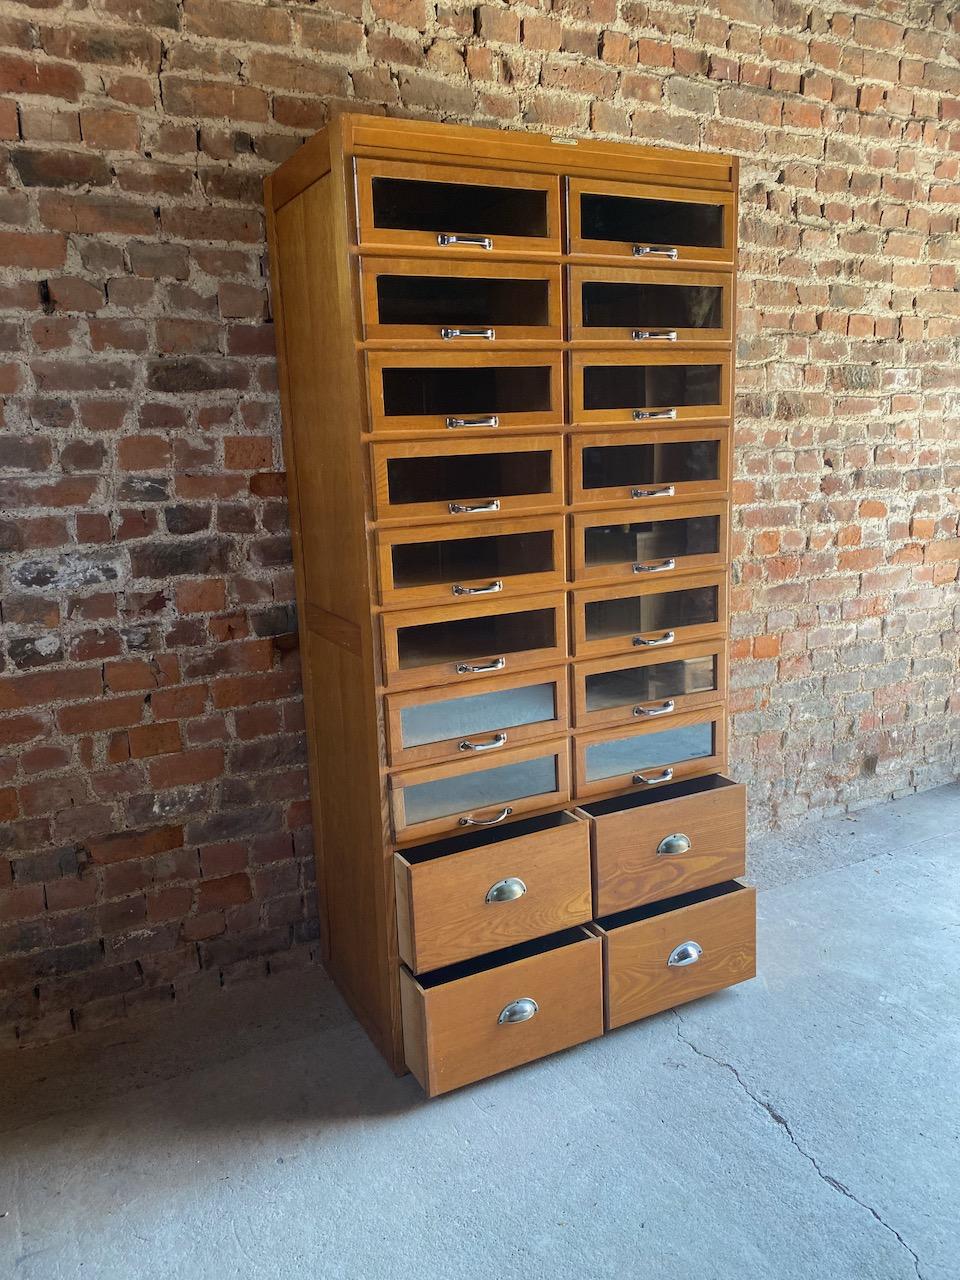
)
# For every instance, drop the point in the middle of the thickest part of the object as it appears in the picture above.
(506, 372)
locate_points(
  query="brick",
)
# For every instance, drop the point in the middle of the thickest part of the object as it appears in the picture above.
(125, 845)
(31, 75)
(186, 768)
(94, 717)
(154, 739)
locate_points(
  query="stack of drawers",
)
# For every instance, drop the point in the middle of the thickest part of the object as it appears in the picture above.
(544, 363)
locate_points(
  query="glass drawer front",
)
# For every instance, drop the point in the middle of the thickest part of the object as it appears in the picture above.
(651, 224)
(479, 789)
(650, 386)
(650, 468)
(660, 612)
(617, 304)
(631, 687)
(477, 714)
(611, 549)
(639, 752)
(497, 633)
(468, 301)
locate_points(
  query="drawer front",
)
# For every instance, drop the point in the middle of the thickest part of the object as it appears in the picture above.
(623, 546)
(649, 686)
(464, 904)
(655, 387)
(683, 837)
(466, 304)
(652, 468)
(650, 755)
(456, 211)
(651, 224)
(456, 724)
(719, 931)
(650, 307)
(651, 616)
(433, 564)
(466, 480)
(462, 1030)
(459, 645)
(440, 799)
(445, 391)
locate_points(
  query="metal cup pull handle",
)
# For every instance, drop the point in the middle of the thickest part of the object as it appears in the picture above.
(446, 238)
(655, 251)
(521, 1010)
(488, 590)
(663, 776)
(686, 953)
(468, 821)
(508, 890)
(650, 335)
(472, 508)
(664, 709)
(674, 844)
(448, 331)
(498, 740)
(654, 415)
(667, 491)
(476, 668)
(661, 566)
(484, 420)
(668, 637)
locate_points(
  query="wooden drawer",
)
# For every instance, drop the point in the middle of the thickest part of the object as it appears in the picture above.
(466, 480)
(466, 304)
(417, 391)
(670, 841)
(689, 385)
(652, 307)
(472, 1020)
(651, 224)
(649, 755)
(460, 898)
(461, 644)
(649, 685)
(663, 955)
(628, 546)
(439, 799)
(433, 564)
(453, 723)
(649, 616)
(456, 211)
(654, 468)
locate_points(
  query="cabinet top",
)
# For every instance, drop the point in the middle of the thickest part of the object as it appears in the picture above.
(360, 134)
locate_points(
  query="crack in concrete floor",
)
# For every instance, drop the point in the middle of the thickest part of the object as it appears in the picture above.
(782, 1122)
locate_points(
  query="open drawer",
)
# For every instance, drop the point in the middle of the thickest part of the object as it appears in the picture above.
(465, 304)
(649, 685)
(670, 952)
(652, 386)
(649, 616)
(648, 755)
(652, 307)
(471, 1020)
(432, 564)
(657, 844)
(455, 210)
(459, 644)
(482, 892)
(440, 799)
(452, 723)
(626, 545)
(652, 468)
(416, 391)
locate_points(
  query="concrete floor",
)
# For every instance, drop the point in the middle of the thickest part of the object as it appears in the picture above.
(804, 1125)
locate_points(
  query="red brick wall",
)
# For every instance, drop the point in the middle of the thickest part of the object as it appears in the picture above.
(154, 830)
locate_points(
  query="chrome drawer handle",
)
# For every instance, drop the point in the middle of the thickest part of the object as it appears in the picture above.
(489, 590)
(518, 1011)
(447, 238)
(670, 846)
(664, 709)
(508, 890)
(664, 776)
(686, 953)
(498, 740)
(474, 668)
(654, 415)
(668, 637)
(472, 508)
(488, 334)
(505, 812)
(655, 251)
(661, 566)
(668, 491)
(653, 335)
(487, 420)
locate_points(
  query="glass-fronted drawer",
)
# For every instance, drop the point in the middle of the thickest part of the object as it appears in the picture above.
(651, 467)
(475, 793)
(451, 724)
(464, 304)
(447, 391)
(651, 685)
(624, 304)
(610, 546)
(470, 480)
(650, 615)
(649, 755)
(459, 645)
(655, 387)
(431, 564)
(456, 211)
(650, 223)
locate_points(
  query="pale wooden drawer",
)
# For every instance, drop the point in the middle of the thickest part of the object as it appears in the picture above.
(645, 756)
(460, 898)
(650, 307)
(649, 685)
(655, 467)
(452, 1028)
(689, 385)
(633, 546)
